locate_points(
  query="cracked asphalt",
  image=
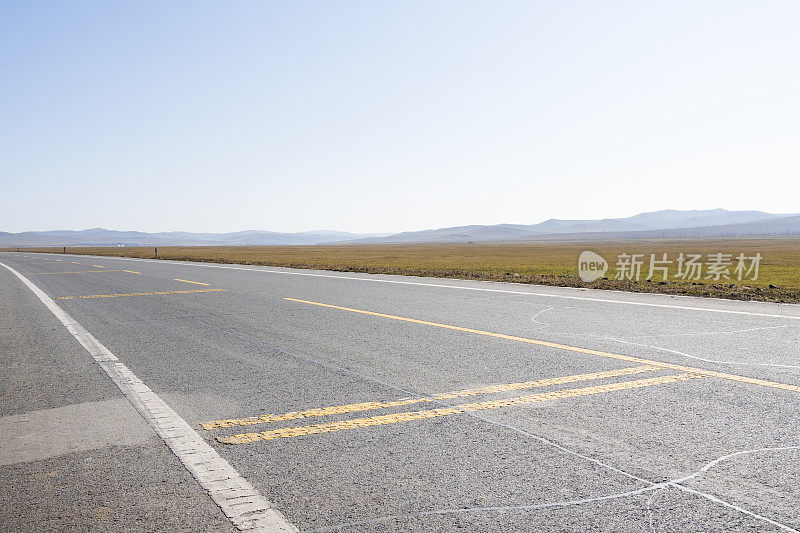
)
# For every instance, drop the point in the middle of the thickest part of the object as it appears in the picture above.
(609, 411)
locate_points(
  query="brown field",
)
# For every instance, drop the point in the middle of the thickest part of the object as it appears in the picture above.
(539, 263)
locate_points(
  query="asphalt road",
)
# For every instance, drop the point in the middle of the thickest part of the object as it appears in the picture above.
(451, 405)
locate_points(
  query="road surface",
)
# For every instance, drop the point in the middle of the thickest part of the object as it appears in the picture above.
(154, 395)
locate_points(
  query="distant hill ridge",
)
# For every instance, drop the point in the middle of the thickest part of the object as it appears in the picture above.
(644, 225)
(653, 225)
(104, 237)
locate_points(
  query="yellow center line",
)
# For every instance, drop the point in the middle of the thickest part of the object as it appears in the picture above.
(682, 368)
(135, 294)
(98, 266)
(75, 263)
(408, 416)
(73, 272)
(131, 272)
(367, 406)
(187, 281)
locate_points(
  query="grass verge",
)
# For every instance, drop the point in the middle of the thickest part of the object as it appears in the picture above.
(543, 263)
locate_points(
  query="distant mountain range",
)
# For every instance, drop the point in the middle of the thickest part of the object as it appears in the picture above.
(657, 224)
(654, 225)
(105, 237)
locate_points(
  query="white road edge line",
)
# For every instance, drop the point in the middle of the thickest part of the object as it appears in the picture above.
(244, 506)
(485, 289)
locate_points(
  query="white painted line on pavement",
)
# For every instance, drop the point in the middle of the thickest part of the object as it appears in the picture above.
(604, 300)
(483, 289)
(244, 506)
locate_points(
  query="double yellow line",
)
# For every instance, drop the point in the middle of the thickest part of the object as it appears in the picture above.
(368, 406)
(356, 423)
(647, 365)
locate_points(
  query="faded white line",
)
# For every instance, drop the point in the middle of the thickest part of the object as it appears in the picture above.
(698, 358)
(484, 289)
(654, 488)
(720, 332)
(718, 460)
(244, 506)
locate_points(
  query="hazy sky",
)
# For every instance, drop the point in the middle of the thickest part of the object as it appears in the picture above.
(389, 116)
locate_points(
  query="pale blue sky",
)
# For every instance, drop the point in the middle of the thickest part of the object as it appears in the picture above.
(391, 116)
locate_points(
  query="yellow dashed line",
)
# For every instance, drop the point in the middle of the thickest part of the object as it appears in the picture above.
(367, 406)
(75, 263)
(297, 431)
(81, 272)
(135, 294)
(187, 281)
(682, 368)
(73, 272)
(98, 266)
